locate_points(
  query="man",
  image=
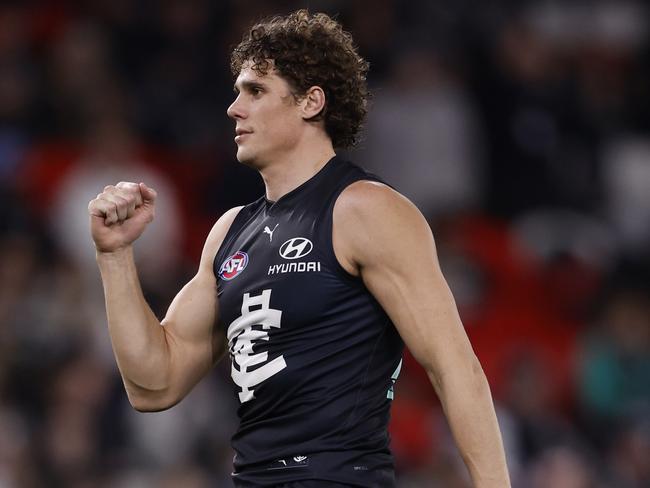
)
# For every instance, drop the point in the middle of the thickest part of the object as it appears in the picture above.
(314, 285)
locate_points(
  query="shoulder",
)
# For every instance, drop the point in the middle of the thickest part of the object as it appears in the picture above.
(217, 235)
(368, 197)
(372, 222)
(375, 207)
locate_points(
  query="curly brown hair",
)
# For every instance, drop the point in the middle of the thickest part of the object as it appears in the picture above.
(312, 50)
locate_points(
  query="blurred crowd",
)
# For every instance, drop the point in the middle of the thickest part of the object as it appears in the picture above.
(520, 129)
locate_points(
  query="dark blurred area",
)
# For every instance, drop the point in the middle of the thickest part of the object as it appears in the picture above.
(520, 129)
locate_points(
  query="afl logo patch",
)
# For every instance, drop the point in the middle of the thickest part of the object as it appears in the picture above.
(295, 248)
(234, 265)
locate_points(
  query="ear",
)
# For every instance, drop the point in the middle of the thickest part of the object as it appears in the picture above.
(313, 103)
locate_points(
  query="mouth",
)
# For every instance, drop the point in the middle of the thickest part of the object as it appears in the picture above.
(241, 133)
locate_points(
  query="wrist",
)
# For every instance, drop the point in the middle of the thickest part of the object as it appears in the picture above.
(119, 254)
(116, 264)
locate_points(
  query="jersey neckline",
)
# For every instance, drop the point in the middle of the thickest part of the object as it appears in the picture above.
(270, 204)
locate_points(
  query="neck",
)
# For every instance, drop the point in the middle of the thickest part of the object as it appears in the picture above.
(294, 169)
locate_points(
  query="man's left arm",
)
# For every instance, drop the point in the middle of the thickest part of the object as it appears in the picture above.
(381, 236)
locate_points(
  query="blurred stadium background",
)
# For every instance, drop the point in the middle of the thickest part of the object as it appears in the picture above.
(520, 128)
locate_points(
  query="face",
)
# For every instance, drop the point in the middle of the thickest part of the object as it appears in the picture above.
(268, 119)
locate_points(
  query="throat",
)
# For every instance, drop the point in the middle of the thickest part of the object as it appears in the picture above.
(282, 179)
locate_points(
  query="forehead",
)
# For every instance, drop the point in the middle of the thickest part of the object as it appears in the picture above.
(248, 75)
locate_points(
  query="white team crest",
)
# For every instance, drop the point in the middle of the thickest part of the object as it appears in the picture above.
(249, 330)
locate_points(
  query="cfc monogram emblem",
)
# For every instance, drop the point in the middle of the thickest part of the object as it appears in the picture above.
(250, 368)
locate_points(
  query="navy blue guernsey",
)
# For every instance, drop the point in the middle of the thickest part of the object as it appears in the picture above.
(314, 356)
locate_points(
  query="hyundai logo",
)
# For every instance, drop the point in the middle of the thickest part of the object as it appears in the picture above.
(295, 248)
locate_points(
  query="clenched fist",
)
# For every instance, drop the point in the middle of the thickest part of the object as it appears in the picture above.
(119, 215)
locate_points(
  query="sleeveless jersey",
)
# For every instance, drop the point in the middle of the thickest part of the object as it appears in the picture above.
(314, 356)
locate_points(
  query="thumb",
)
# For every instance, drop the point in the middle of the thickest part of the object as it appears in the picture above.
(148, 194)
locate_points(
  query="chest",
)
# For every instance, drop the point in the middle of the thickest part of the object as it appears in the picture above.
(286, 258)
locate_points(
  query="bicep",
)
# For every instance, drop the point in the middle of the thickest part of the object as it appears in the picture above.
(420, 304)
(194, 341)
(190, 322)
(392, 246)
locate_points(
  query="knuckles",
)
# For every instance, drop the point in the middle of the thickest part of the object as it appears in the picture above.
(117, 198)
(129, 198)
(124, 190)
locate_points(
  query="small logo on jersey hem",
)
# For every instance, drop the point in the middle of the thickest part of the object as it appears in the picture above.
(233, 266)
(287, 463)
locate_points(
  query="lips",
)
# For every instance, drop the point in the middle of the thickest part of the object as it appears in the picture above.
(241, 133)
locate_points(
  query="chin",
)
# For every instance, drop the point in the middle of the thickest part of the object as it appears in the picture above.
(246, 158)
(242, 155)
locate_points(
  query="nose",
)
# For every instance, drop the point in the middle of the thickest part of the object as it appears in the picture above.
(236, 110)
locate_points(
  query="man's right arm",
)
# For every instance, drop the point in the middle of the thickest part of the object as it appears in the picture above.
(159, 362)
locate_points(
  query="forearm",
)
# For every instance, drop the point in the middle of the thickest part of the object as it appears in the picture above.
(138, 339)
(468, 406)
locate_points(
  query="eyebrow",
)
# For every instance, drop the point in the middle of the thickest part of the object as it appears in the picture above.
(248, 85)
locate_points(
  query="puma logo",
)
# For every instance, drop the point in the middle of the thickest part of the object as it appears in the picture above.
(270, 232)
